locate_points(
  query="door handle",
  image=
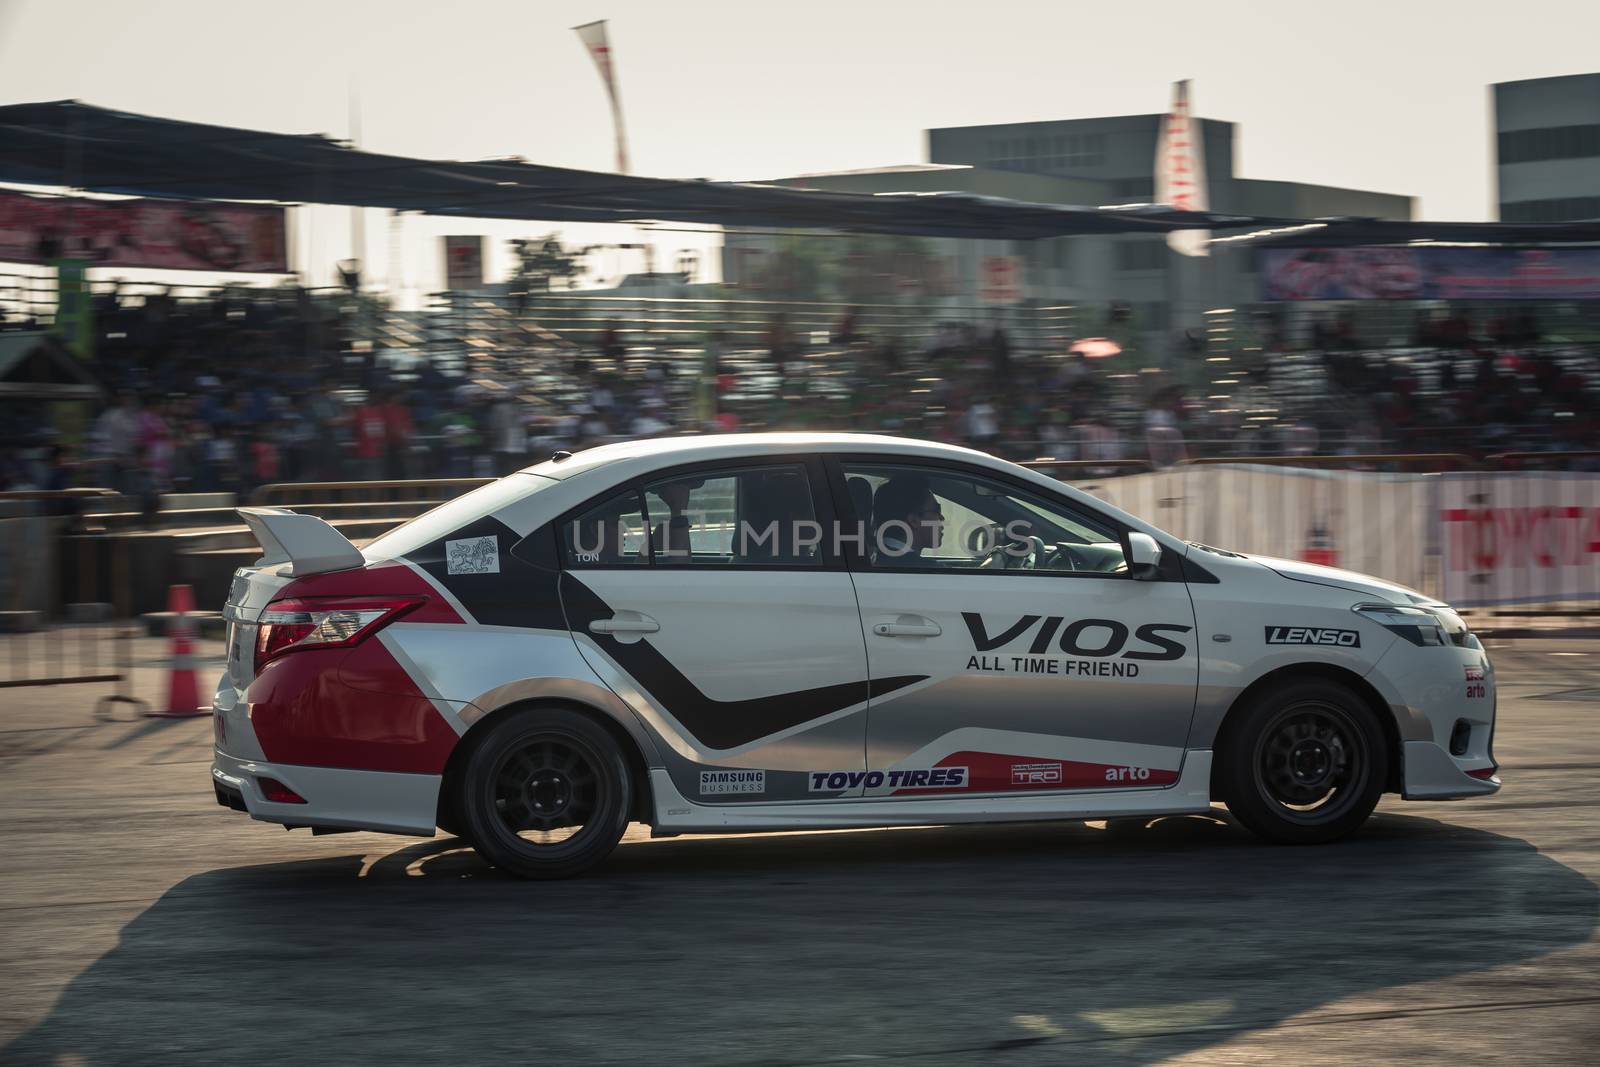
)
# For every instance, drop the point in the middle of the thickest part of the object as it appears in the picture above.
(907, 626)
(630, 623)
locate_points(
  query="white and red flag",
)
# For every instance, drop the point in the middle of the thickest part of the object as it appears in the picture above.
(1181, 170)
(593, 36)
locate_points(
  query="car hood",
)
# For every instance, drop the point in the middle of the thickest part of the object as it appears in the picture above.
(1364, 584)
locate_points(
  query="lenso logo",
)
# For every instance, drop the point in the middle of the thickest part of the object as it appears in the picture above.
(1312, 635)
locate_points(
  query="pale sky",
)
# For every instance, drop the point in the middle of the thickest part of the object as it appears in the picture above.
(1390, 96)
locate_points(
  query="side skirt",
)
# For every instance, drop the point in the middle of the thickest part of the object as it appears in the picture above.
(675, 814)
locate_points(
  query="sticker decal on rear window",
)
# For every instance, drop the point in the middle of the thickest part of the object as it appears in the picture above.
(472, 555)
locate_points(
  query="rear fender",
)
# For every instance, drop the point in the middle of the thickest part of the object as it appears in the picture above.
(591, 695)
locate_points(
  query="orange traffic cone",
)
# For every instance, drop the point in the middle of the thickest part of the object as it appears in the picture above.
(183, 693)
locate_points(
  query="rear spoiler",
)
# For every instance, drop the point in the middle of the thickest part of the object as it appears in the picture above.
(305, 542)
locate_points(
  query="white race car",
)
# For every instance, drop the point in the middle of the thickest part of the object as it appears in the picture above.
(790, 631)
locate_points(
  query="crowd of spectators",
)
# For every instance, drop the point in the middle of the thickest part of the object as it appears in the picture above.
(234, 392)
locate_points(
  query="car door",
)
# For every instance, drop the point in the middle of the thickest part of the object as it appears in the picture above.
(707, 599)
(1045, 665)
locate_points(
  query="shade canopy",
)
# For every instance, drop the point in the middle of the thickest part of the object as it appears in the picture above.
(67, 143)
(1348, 232)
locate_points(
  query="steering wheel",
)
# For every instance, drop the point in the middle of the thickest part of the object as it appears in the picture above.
(1055, 556)
(988, 542)
(1065, 553)
(999, 549)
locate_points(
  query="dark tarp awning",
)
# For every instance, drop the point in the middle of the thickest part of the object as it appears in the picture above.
(67, 143)
(1336, 233)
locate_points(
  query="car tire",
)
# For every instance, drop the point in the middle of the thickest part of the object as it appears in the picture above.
(545, 794)
(1303, 763)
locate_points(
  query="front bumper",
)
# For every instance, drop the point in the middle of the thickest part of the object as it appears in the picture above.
(381, 801)
(1443, 701)
(1431, 773)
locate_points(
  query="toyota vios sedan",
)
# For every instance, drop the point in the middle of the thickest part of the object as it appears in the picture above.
(788, 631)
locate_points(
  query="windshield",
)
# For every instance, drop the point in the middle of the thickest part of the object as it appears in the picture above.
(454, 514)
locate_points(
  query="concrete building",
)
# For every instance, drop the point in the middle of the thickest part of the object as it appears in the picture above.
(1090, 162)
(1547, 148)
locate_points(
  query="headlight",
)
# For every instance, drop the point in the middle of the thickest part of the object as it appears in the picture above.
(1420, 626)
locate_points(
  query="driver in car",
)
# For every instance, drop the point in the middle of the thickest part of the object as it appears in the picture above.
(910, 522)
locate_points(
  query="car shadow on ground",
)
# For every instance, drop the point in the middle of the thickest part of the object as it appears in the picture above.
(1120, 947)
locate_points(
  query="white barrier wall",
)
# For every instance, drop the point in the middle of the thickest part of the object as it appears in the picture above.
(1473, 540)
(1379, 524)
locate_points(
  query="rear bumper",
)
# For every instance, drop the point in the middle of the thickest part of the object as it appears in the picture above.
(381, 801)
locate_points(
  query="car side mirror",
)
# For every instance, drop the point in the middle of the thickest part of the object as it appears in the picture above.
(1144, 556)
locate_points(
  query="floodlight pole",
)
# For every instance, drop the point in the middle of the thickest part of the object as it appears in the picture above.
(358, 221)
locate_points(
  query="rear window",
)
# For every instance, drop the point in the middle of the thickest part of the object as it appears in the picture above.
(450, 516)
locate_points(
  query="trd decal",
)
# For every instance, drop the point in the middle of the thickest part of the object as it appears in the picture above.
(1035, 774)
(721, 783)
(920, 778)
(715, 723)
(1312, 635)
(1093, 638)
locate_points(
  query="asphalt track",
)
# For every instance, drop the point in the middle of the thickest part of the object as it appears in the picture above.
(141, 923)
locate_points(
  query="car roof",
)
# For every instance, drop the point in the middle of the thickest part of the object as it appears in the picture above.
(666, 451)
(627, 459)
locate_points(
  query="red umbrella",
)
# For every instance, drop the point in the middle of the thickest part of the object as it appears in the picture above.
(1095, 348)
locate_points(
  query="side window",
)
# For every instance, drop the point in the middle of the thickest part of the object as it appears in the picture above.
(749, 516)
(938, 518)
(611, 534)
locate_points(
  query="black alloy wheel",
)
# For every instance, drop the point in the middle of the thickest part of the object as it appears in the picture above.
(1305, 762)
(545, 794)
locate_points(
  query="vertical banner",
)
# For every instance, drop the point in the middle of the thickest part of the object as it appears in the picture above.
(1000, 280)
(463, 263)
(74, 307)
(593, 36)
(1181, 170)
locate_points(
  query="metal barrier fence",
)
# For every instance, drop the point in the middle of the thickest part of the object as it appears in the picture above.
(1431, 462)
(580, 319)
(86, 653)
(282, 494)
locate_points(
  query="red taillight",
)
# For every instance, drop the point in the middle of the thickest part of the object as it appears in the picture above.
(279, 793)
(298, 623)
